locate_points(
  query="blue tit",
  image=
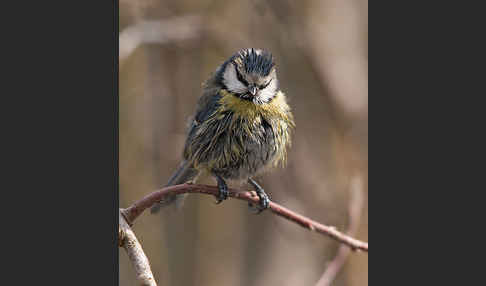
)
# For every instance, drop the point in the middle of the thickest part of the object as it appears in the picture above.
(241, 126)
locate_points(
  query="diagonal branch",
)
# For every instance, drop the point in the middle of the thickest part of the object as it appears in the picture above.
(132, 212)
(355, 208)
(129, 241)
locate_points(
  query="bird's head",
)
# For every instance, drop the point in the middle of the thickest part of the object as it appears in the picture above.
(250, 74)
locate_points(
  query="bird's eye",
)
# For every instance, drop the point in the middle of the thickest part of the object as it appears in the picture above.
(265, 85)
(240, 77)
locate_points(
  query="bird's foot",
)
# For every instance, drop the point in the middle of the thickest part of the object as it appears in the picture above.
(264, 202)
(223, 190)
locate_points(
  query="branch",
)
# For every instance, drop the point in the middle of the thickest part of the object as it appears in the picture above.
(128, 240)
(355, 208)
(158, 32)
(132, 212)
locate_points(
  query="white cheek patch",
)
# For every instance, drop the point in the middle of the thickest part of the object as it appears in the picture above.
(231, 80)
(268, 92)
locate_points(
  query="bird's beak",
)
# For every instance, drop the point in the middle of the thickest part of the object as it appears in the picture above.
(252, 89)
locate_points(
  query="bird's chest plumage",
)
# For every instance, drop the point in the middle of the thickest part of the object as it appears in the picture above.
(245, 146)
(240, 140)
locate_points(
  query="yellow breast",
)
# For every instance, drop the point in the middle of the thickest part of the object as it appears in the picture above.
(276, 113)
(277, 108)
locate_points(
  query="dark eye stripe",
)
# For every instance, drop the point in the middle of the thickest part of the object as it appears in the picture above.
(265, 85)
(240, 77)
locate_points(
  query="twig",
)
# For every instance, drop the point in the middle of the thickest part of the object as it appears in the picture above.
(158, 32)
(355, 208)
(129, 241)
(132, 212)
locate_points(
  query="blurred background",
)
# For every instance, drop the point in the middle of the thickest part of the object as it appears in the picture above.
(167, 49)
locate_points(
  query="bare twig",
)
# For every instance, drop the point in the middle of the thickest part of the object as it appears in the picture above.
(158, 32)
(132, 212)
(128, 240)
(355, 208)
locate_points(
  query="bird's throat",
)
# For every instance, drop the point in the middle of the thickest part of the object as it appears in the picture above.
(277, 108)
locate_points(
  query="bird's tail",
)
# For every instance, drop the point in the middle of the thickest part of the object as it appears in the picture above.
(183, 174)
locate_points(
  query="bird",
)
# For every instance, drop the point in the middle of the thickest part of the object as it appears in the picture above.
(241, 127)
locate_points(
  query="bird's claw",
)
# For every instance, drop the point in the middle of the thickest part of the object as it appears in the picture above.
(223, 191)
(264, 202)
